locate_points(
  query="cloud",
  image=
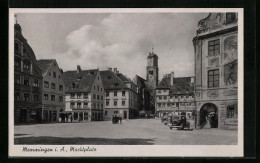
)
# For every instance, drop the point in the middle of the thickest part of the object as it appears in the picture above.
(124, 40)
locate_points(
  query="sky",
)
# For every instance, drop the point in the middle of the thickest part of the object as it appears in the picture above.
(117, 40)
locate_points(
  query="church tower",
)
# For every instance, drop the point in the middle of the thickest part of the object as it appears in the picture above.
(152, 70)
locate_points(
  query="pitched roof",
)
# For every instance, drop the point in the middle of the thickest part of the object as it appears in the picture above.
(111, 80)
(123, 77)
(84, 79)
(181, 85)
(44, 65)
(139, 81)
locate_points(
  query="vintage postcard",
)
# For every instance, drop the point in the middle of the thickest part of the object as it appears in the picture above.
(126, 82)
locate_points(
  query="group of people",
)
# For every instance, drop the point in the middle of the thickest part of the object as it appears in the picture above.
(183, 123)
(117, 118)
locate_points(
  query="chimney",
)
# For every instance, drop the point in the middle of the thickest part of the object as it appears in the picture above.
(61, 71)
(172, 76)
(110, 69)
(115, 70)
(78, 68)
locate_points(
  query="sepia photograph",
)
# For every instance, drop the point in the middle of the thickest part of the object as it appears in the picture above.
(125, 82)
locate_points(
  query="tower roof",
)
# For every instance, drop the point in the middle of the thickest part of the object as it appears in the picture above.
(152, 54)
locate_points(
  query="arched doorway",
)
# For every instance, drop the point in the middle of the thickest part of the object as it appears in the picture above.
(209, 114)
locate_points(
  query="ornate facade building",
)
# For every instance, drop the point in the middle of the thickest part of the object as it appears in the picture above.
(84, 95)
(176, 96)
(27, 81)
(216, 70)
(121, 95)
(53, 90)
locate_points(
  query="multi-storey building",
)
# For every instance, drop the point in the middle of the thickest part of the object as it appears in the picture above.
(144, 96)
(121, 95)
(52, 90)
(216, 70)
(176, 96)
(84, 95)
(27, 81)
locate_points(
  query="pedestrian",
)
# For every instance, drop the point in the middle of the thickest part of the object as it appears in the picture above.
(113, 119)
(120, 118)
(182, 123)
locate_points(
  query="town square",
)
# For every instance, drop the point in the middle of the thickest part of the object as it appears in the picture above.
(126, 79)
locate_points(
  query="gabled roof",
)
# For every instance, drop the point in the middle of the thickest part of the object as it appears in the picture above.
(84, 79)
(181, 85)
(111, 80)
(45, 64)
(123, 77)
(139, 81)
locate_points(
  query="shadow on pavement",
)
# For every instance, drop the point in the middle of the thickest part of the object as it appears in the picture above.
(20, 134)
(46, 140)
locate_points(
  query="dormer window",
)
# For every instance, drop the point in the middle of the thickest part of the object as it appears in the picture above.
(92, 72)
(109, 77)
(116, 84)
(75, 85)
(230, 17)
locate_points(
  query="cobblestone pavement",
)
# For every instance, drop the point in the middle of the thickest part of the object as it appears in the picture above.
(131, 132)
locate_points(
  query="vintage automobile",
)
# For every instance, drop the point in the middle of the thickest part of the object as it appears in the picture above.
(174, 122)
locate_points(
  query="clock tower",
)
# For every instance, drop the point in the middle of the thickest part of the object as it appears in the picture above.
(152, 70)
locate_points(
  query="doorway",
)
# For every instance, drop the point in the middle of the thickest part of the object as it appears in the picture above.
(209, 114)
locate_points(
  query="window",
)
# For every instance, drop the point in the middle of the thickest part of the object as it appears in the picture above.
(116, 84)
(108, 77)
(159, 104)
(26, 81)
(26, 97)
(72, 96)
(17, 62)
(94, 96)
(17, 96)
(35, 83)
(165, 97)
(123, 93)
(59, 76)
(171, 97)
(101, 106)
(159, 91)
(105, 112)
(187, 96)
(213, 78)
(52, 97)
(75, 85)
(97, 88)
(115, 93)
(85, 95)
(213, 47)
(181, 96)
(85, 104)
(72, 105)
(101, 89)
(52, 85)
(94, 105)
(176, 97)
(61, 87)
(97, 106)
(115, 103)
(79, 105)
(168, 104)
(230, 17)
(61, 98)
(107, 102)
(94, 87)
(107, 93)
(160, 97)
(78, 96)
(54, 74)
(26, 65)
(98, 97)
(17, 79)
(46, 84)
(36, 98)
(49, 74)
(123, 103)
(164, 90)
(101, 97)
(46, 96)
(232, 111)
